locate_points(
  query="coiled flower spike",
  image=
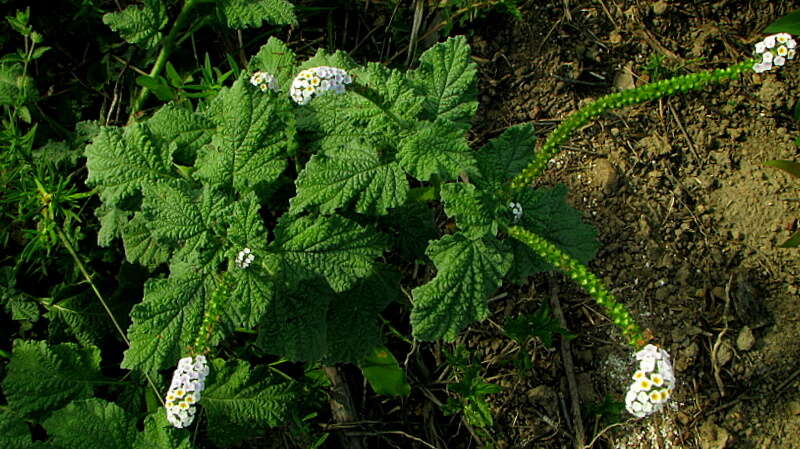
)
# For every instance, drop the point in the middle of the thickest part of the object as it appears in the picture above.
(188, 382)
(774, 51)
(316, 81)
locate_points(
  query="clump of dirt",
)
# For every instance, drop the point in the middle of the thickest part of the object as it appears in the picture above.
(689, 217)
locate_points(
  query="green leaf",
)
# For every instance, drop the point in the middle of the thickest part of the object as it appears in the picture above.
(792, 242)
(546, 212)
(277, 59)
(356, 174)
(176, 213)
(81, 317)
(392, 108)
(168, 319)
(411, 227)
(437, 148)
(505, 156)
(91, 424)
(540, 324)
(446, 77)
(187, 130)
(250, 13)
(140, 245)
(42, 378)
(468, 272)
(253, 287)
(159, 434)
(16, 88)
(139, 26)
(122, 160)
(473, 210)
(112, 222)
(14, 432)
(790, 167)
(790, 23)
(249, 150)
(384, 374)
(303, 330)
(247, 397)
(158, 85)
(352, 317)
(335, 248)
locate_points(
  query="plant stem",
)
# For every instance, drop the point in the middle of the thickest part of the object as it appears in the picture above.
(167, 46)
(68, 245)
(628, 97)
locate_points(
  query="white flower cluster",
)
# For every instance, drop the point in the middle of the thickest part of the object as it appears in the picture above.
(244, 258)
(775, 50)
(188, 382)
(653, 382)
(264, 81)
(316, 81)
(516, 210)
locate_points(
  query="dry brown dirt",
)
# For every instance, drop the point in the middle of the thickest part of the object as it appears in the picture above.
(689, 217)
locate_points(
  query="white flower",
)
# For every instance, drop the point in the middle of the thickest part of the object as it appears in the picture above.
(316, 81)
(185, 389)
(653, 383)
(775, 50)
(264, 81)
(244, 258)
(516, 210)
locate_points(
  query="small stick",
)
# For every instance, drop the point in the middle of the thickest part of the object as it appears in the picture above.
(569, 367)
(342, 407)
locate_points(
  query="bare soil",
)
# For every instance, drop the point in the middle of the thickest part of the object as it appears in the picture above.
(689, 217)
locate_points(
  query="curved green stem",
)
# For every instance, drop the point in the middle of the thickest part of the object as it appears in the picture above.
(82, 268)
(640, 94)
(586, 279)
(167, 46)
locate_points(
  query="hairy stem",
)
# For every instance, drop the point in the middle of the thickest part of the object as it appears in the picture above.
(640, 94)
(168, 45)
(586, 279)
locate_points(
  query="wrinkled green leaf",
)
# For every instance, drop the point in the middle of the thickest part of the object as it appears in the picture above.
(251, 13)
(473, 210)
(354, 174)
(91, 424)
(122, 160)
(334, 248)
(137, 25)
(468, 271)
(254, 132)
(41, 378)
(446, 77)
(246, 397)
(437, 148)
(546, 212)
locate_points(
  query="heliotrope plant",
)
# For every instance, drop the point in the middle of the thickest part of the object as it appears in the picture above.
(274, 202)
